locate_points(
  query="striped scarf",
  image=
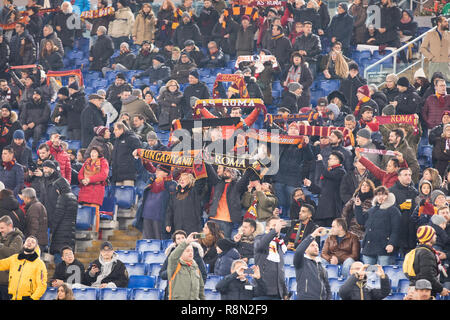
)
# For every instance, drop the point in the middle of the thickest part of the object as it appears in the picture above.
(273, 249)
(91, 168)
(294, 74)
(358, 106)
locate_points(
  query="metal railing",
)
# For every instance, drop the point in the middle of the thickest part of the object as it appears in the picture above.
(393, 55)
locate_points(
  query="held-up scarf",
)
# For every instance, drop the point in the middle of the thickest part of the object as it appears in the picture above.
(309, 116)
(228, 103)
(236, 79)
(94, 14)
(410, 119)
(251, 212)
(326, 131)
(273, 249)
(358, 106)
(378, 151)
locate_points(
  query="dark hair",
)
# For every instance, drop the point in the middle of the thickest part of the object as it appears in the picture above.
(350, 117)
(99, 151)
(9, 149)
(338, 155)
(273, 217)
(338, 134)
(3, 80)
(395, 162)
(279, 28)
(121, 126)
(6, 193)
(403, 169)
(309, 207)
(342, 223)
(337, 43)
(177, 232)
(353, 66)
(252, 222)
(381, 189)
(399, 133)
(215, 230)
(6, 220)
(440, 19)
(66, 248)
(44, 146)
(140, 116)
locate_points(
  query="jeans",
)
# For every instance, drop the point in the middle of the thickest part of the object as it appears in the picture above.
(152, 229)
(226, 227)
(284, 194)
(381, 260)
(62, 130)
(345, 266)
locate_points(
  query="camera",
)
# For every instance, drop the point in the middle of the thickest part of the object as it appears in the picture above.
(325, 232)
(249, 271)
(372, 268)
(199, 236)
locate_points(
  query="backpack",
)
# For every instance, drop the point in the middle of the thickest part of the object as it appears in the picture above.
(408, 263)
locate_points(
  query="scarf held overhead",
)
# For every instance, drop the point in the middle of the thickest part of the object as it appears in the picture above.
(236, 79)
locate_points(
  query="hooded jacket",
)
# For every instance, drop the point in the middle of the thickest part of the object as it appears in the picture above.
(122, 25)
(37, 112)
(144, 27)
(27, 276)
(122, 158)
(63, 159)
(382, 225)
(91, 117)
(9, 245)
(7, 128)
(187, 31)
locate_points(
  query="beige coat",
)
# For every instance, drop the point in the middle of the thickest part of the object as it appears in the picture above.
(434, 49)
(122, 25)
(144, 28)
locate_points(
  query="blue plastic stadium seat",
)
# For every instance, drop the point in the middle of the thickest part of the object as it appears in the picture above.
(332, 270)
(128, 256)
(74, 144)
(335, 284)
(292, 285)
(212, 281)
(50, 294)
(231, 64)
(114, 294)
(329, 85)
(146, 294)
(166, 243)
(289, 271)
(149, 257)
(395, 296)
(85, 217)
(141, 282)
(108, 208)
(136, 269)
(125, 196)
(212, 295)
(153, 269)
(403, 286)
(85, 294)
(289, 258)
(148, 245)
(204, 72)
(162, 284)
(395, 273)
(75, 190)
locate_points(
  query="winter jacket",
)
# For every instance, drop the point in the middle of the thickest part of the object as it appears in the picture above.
(117, 278)
(349, 247)
(160, 75)
(199, 90)
(180, 71)
(187, 31)
(75, 106)
(112, 94)
(434, 109)
(306, 81)
(244, 41)
(355, 289)
(37, 112)
(67, 35)
(341, 27)
(7, 128)
(425, 266)
(53, 62)
(410, 28)
(359, 14)
(13, 179)
(441, 156)
(144, 60)
(389, 19)
(60, 111)
(16, 43)
(266, 203)
(36, 222)
(91, 117)
(64, 272)
(272, 273)
(291, 164)
(391, 94)
(349, 88)
(144, 27)
(134, 105)
(185, 280)
(142, 131)
(169, 112)
(311, 44)
(9, 206)
(408, 102)
(105, 146)
(206, 21)
(382, 225)
(215, 60)
(9, 245)
(231, 28)
(231, 288)
(381, 100)
(122, 158)
(434, 48)
(281, 48)
(62, 157)
(222, 267)
(101, 52)
(94, 192)
(408, 154)
(308, 228)
(126, 59)
(348, 213)
(311, 276)
(27, 276)
(122, 25)
(65, 217)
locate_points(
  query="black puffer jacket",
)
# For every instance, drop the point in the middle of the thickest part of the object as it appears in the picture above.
(76, 104)
(311, 44)
(91, 117)
(169, 112)
(355, 289)
(199, 90)
(122, 158)
(291, 164)
(9, 206)
(64, 217)
(37, 112)
(101, 51)
(231, 288)
(187, 31)
(408, 102)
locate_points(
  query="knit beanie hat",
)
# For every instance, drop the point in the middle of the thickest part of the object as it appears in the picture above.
(366, 108)
(100, 130)
(194, 73)
(389, 110)
(19, 134)
(225, 244)
(403, 81)
(364, 90)
(245, 17)
(5, 105)
(74, 86)
(334, 108)
(425, 234)
(365, 133)
(49, 164)
(64, 91)
(159, 58)
(437, 219)
(344, 6)
(435, 194)
(120, 76)
(420, 74)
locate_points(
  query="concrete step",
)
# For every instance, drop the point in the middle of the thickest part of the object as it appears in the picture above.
(87, 254)
(123, 237)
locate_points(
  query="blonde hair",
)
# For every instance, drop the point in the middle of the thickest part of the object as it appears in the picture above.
(190, 177)
(340, 65)
(314, 4)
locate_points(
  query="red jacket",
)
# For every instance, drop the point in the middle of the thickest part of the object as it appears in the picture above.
(94, 192)
(227, 131)
(387, 179)
(434, 109)
(63, 159)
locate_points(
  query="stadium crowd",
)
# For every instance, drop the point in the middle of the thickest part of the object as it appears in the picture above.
(352, 188)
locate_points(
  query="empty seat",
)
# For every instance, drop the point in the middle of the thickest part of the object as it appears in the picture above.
(114, 294)
(212, 295)
(128, 256)
(289, 258)
(125, 196)
(74, 144)
(403, 285)
(395, 273)
(292, 285)
(85, 294)
(149, 257)
(108, 210)
(146, 294)
(332, 270)
(395, 296)
(135, 269)
(50, 294)
(148, 245)
(85, 217)
(153, 269)
(335, 284)
(162, 284)
(212, 281)
(289, 271)
(166, 243)
(141, 282)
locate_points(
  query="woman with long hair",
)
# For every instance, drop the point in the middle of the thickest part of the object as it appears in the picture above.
(432, 175)
(365, 192)
(212, 233)
(27, 51)
(92, 177)
(64, 293)
(337, 66)
(50, 58)
(145, 25)
(165, 19)
(169, 103)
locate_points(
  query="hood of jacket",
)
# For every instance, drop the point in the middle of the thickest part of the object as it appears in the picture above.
(194, 244)
(62, 186)
(114, 258)
(13, 117)
(390, 201)
(16, 232)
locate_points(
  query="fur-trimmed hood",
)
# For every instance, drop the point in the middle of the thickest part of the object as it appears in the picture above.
(197, 245)
(390, 201)
(14, 117)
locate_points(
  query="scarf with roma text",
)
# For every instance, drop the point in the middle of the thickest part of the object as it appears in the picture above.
(410, 119)
(237, 81)
(91, 167)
